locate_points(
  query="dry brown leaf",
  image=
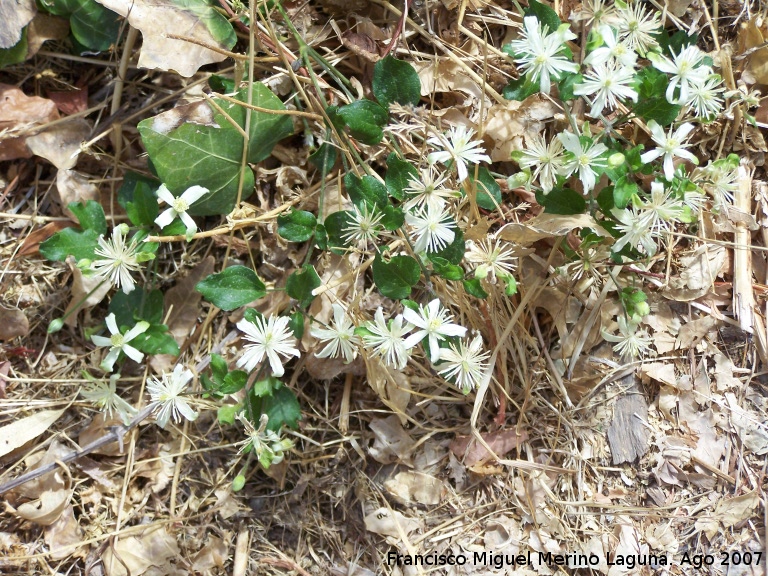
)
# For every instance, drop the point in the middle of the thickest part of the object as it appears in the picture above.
(390, 523)
(416, 487)
(447, 76)
(213, 555)
(5, 367)
(699, 269)
(392, 386)
(99, 427)
(71, 101)
(60, 145)
(47, 508)
(45, 27)
(155, 19)
(157, 465)
(154, 548)
(548, 226)
(13, 324)
(93, 286)
(692, 333)
(182, 301)
(392, 442)
(472, 452)
(751, 36)
(63, 536)
(661, 372)
(32, 242)
(19, 115)
(73, 186)
(510, 123)
(731, 511)
(13, 17)
(21, 431)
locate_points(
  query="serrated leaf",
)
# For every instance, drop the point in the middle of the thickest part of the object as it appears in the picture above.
(210, 155)
(562, 201)
(395, 81)
(300, 284)
(297, 225)
(78, 243)
(92, 25)
(90, 215)
(399, 174)
(365, 120)
(234, 287)
(395, 278)
(233, 382)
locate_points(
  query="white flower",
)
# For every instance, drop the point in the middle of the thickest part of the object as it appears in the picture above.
(271, 338)
(704, 97)
(387, 341)
(493, 256)
(596, 13)
(539, 52)
(432, 228)
(720, 180)
(166, 393)
(465, 364)
(118, 342)
(614, 51)
(661, 208)
(179, 206)
(686, 69)
(105, 397)
(118, 259)
(428, 190)
(670, 145)
(607, 83)
(636, 230)
(637, 27)
(435, 325)
(363, 225)
(630, 342)
(458, 147)
(586, 157)
(547, 160)
(340, 336)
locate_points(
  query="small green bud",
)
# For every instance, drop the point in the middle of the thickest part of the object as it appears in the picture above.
(518, 180)
(616, 160)
(55, 325)
(642, 309)
(481, 272)
(238, 483)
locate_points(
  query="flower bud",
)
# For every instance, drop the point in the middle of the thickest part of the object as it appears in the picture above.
(55, 325)
(616, 160)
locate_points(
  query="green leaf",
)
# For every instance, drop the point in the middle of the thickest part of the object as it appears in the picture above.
(234, 287)
(395, 278)
(210, 156)
(136, 306)
(544, 14)
(296, 325)
(334, 225)
(365, 120)
(652, 104)
(92, 25)
(300, 284)
(324, 157)
(221, 84)
(454, 252)
(137, 196)
(90, 215)
(233, 382)
(17, 53)
(282, 408)
(623, 191)
(520, 89)
(219, 368)
(567, 84)
(562, 201)
(157, 340)
(443, 268)
(226, 414)
(78, 243)
(488, 191)
(475, 288)
(605, 200)
(394, 218)
(297, 225)
(366, 191)
(399, 174)
(395, 81)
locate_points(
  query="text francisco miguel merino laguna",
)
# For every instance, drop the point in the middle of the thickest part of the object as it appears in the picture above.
(491, 558)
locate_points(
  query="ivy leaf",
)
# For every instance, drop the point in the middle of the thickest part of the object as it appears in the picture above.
(209, 155)
(233, 382)
(395, 81)
(92, 25)
(562, 201)
(78, 243)
(399, 174)
(444, 268)
(544, 14)
(366, 191)
(234, 287)
(300, 284)
(395, 278)
(297, 225)
(365, 120)
(157, 340)
(282, 408)
(488, 191)
(90, 215)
